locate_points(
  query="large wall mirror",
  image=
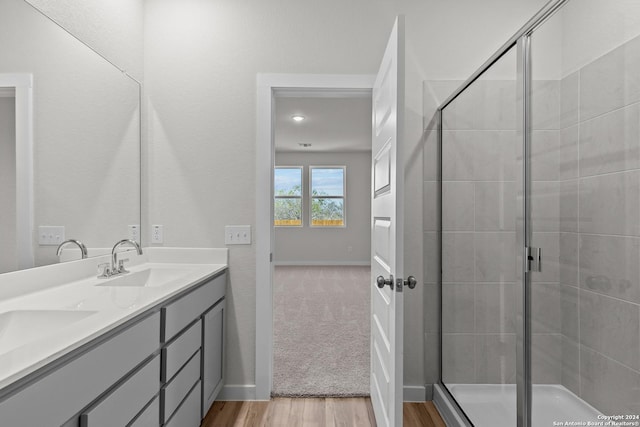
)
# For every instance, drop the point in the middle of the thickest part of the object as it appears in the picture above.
(69, 143)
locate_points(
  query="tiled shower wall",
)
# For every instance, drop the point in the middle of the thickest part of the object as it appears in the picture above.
(478, 240)
(586, 217)
(599, 206)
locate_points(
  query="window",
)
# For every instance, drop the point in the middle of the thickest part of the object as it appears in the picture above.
(327, 185)
(287, 205)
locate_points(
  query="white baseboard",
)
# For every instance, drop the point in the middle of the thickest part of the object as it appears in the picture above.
(414, 393)
(237, 392)
(320, 263)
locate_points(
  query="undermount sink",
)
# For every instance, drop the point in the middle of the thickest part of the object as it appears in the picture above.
(20, 327)
(150, 277)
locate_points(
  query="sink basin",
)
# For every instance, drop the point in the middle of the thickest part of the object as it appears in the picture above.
(150, 277)
(20, 327)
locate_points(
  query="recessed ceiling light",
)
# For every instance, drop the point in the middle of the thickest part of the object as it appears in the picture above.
(304, 144)
(297, 118)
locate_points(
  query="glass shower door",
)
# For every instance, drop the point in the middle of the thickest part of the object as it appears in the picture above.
(479, 149)
(585, 213)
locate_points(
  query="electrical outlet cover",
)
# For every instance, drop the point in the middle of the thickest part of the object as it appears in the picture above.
(157, 234)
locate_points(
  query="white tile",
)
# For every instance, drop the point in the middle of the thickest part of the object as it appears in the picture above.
(495, 259)
(545, 104)
(545, 155)
(495, 205)
(457, 206)
(610, 326)
(609, 265)
(495, 155)
(457, 155)
(457, 257)
(610, 142)
(610, 204)
(568, 158)
(611, 81)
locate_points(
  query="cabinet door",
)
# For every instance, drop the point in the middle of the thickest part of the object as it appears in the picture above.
(212, 360)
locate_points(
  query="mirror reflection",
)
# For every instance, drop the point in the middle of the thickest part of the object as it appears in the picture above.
(69, 144)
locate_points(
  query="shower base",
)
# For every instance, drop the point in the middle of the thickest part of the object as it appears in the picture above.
(494, 405)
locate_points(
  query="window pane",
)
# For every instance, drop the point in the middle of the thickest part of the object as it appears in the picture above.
(287, 212)
(288, 181)
(327, 212)
(327, 182)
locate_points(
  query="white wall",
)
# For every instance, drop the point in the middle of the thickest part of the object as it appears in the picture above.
(8, 260)
(113, 28)
(201, 61)
(352, 244)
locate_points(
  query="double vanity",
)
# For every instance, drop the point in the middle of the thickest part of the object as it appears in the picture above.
(141, 348)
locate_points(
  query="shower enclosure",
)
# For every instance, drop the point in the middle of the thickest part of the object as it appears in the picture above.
(540, 225)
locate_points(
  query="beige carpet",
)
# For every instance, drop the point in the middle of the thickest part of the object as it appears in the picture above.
(321, 331)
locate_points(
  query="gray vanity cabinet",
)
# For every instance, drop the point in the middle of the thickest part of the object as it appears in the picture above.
(163, 368)
(192, 349)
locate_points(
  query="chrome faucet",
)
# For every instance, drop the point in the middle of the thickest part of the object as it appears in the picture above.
(119, 268)
(83, 248)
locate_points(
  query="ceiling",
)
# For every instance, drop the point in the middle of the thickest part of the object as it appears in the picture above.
(331, 124)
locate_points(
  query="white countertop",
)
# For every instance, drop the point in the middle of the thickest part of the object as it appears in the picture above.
(74, 289)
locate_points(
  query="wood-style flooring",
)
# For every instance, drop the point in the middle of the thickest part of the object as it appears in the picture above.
(320, 412)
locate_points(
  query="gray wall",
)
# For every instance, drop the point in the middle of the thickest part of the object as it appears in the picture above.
(331, 246)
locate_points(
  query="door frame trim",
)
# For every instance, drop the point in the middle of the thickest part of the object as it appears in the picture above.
(267, 87)
(23, 85)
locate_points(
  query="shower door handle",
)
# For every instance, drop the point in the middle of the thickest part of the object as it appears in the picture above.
(534, 258)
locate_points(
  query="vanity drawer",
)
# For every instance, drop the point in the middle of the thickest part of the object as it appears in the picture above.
(173, 393)
(177, 315)
(150, 417)
(122, 405)
(176, 354)
(188, 415)
(75, 385)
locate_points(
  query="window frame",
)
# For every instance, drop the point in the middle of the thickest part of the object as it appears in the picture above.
(300, 197)
(343, 197)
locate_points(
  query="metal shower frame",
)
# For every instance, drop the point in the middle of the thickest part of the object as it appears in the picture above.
(522, 41)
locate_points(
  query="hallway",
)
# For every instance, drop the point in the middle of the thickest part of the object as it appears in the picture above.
(321, 331)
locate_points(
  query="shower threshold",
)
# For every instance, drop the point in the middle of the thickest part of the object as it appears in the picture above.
(494, 405)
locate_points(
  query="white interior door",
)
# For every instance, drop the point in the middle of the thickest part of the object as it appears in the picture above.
(386, 234)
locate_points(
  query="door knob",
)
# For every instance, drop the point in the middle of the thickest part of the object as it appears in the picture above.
(381, 281)
(411, 282)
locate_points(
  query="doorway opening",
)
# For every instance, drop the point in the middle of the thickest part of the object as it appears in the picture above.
(16, 171)
(272, 87)
(322, 247)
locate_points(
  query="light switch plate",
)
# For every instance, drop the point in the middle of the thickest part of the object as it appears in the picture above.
(50, 235)
(237, 235)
